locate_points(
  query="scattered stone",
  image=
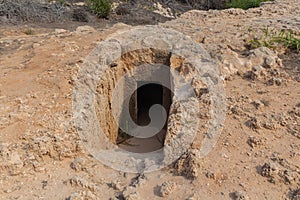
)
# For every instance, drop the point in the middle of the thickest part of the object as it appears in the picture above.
(192, 197)
(275, 81)
(188, 165)
(237, 110)
(79, 3)
(167, 188)
(239, 195)
(280, 170)
(257, 68)
(85, 29)
(139, 180)
(78, 164)
(36, 45)
(269, 170)
(44, 184)
(295, 194)
(219, 177)
(265, 57)
(82, 195)
(251, 75)
(258, 104)
(59, 31)
(255, 142)
(83, 183)
(116, 185)
(10, 159)
(270, 124)
(160, 9)
(130, 193)
(266, 3)
(295, 112)
(294, 129)
(255, 73)
(210, 174)
(265, 102)
(253, 123)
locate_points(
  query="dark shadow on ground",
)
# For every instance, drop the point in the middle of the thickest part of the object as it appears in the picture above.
(291, 64)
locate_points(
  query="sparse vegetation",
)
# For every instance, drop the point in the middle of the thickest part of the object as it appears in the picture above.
(102, 8)
(32, 10)
(244, 4)
(28, 31)
(277, 40)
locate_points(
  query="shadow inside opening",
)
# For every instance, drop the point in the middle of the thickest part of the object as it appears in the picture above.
(141, 101)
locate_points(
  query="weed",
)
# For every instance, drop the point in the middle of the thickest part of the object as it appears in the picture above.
(102, 8)
(275, 39)
(244, 4)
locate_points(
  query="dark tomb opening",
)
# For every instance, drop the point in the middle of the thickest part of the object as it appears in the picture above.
(146, 95)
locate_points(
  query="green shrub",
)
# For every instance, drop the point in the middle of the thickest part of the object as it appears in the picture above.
(244, 4)
(102, 8)
(275, 39)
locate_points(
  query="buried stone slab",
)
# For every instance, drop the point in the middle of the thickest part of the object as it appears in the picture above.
(159, 89)
(129, 55)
